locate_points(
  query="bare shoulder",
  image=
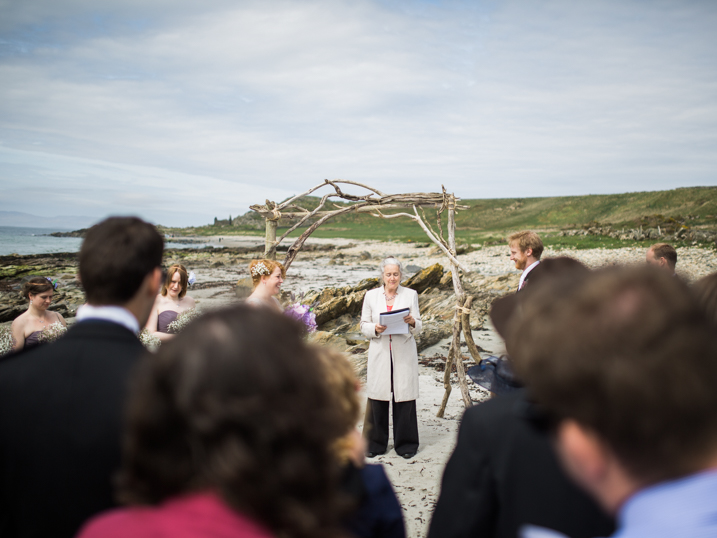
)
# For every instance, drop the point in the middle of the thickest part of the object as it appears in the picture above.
(20, 321)
(191, 303)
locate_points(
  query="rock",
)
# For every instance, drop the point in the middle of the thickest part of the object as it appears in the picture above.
(331, 310)
(430, 276)
(9, 313)
(431, 335)
(244, 288)
(364, 256)
(446, 280)
(324, 338)
(413, 268)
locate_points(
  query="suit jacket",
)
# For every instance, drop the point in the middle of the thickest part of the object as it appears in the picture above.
(503, 474)
(403, 347)
(61, 408)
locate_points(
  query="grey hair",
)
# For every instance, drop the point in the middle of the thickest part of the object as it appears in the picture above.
(389, 261)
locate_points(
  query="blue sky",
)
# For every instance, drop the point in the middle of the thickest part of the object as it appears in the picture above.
(181, 111)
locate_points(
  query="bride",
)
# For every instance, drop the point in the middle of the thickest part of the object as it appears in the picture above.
(171, 301)
(267, 277)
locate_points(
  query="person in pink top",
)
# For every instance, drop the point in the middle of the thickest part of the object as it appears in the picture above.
(229, 433)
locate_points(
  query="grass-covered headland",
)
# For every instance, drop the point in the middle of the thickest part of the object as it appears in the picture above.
(686, 216)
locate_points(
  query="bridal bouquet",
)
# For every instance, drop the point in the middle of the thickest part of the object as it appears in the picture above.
(301, 312)
(6, 340)
(183, 319)
(52, 332)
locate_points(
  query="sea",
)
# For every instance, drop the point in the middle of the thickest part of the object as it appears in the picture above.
(19, 240)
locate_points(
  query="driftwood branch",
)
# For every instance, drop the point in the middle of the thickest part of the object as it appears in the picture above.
(467, 334)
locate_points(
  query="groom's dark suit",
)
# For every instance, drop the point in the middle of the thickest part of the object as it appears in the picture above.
(504, 474)
(61, 410)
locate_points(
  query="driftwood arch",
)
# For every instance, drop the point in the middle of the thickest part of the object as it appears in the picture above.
(375, 203)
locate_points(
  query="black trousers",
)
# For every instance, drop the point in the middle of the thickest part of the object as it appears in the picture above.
(405, 426)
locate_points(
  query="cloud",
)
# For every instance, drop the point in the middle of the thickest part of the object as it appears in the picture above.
(491, 99)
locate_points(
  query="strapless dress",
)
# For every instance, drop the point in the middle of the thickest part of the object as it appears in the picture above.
(164, 319)
(32, 339)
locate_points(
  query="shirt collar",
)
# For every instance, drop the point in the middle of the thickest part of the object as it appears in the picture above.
(525, 273)
(114, 314)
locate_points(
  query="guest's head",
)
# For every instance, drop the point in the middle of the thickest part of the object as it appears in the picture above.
(344, 385)
(625, 364)
(237, 404)
(39, 291)
(119, 259)
(706, 291)
(526, 247)
(662, 255)
(176, 281)
(561, 271)
(391, 271)
(269, 273)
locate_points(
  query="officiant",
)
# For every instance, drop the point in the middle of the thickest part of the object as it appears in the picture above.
(392, 371)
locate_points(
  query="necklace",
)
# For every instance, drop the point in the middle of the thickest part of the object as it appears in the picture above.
(389, 298)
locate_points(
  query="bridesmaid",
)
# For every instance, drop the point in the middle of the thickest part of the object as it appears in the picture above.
(27, 326)
(171, 301)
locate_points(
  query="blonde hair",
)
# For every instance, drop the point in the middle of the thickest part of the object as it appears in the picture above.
(259, 268)
(343, 385)
(183, 279)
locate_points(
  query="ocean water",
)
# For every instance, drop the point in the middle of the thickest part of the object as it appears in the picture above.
(17, 240)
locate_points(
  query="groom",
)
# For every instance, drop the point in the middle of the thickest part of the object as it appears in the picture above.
(61, 404)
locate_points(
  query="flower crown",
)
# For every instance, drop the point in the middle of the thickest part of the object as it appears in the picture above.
(53, 282)
(260, 269)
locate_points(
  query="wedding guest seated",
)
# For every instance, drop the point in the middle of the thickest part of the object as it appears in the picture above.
(267, 277)
(706, 290)
(623, 369)
(28, 326)
(230, 432)
(504, 473)
(61, 404)
(171, 301)
(376, 512)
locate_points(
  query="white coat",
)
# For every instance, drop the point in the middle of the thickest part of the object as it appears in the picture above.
(405, 355)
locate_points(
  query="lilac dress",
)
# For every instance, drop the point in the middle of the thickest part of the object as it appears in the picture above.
(164, 319)
(32, 340)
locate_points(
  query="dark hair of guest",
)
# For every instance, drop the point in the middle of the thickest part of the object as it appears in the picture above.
(237, 404)
(116, 256)
(37, 284)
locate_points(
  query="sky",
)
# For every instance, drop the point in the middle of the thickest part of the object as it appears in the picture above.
(179, 111)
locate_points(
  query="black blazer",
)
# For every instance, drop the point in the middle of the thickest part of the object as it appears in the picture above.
(61, 407)
(504, 474)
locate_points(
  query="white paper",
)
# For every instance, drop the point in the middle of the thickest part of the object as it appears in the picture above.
(394, 321)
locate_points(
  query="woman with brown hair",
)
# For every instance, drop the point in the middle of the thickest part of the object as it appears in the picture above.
(229, 433)
(267, 277)
(28, 326)
(171, 301)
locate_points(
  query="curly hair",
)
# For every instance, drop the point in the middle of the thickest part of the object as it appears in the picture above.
(343, 383)
(183, 279)
(257, 272)
(37, 284)
(229, 406)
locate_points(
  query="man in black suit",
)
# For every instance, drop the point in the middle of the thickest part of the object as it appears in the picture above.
(503, 473)
(61, 404)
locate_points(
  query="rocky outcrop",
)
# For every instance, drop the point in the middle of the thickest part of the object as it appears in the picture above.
(424, 279)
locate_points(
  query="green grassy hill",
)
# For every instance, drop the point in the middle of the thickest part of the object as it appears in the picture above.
(490, 220)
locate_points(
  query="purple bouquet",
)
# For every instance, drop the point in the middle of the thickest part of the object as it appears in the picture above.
(303, 313)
